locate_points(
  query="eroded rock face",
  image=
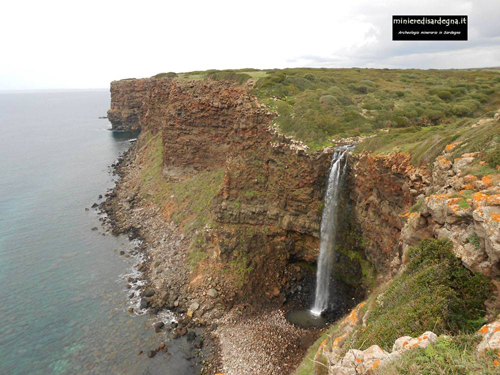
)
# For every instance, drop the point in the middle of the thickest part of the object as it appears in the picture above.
(268, 208)
(451, 204)
(383, 187)
(127, 99)
(463, 208)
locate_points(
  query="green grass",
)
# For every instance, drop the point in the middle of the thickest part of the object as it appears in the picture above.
(425, 143)
(188, 201)
(416, 207)
(449, 356)
(318, 105)
(435, 293)
(474, 240)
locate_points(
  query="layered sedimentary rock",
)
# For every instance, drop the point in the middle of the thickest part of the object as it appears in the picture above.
(127, 98)
(384, 187)
(267, 211)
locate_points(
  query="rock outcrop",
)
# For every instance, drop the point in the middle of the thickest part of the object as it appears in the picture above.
(127, 99)
(397, 205)
(333, 352)
(490, 340)
(463, 208)
(384, 187)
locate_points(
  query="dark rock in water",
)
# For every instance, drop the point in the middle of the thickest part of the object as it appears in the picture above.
(191, 335)
(158, 326)
(94, 228)
(131, 310)
(128, 286)
(86, 209)
(162, 347)
(151, 353)
(144, 303)
(149, 292)
(131, 280)
(100, 196)
(122, 252)
(176, 334)
(131, 295)
(95, 205)
(183, 331)
(198, 343)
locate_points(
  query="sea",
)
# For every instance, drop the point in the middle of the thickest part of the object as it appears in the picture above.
(63, 300)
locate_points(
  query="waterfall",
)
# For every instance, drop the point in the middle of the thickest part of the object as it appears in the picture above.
(328, 231)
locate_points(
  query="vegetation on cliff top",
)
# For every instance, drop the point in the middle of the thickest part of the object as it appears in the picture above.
(426, 143)
(316, 105)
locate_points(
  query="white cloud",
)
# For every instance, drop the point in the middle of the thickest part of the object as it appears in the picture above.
(61, 44)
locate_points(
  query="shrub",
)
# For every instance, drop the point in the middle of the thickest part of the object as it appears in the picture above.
(435, 293)
(310, 77)
(165, 75)
(230, 76)
(465, 108)
(360, 89)
(494, 158)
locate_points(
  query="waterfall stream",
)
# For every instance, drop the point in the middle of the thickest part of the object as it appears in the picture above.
(329, 231)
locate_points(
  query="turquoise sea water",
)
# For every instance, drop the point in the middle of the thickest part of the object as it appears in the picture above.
(63, 302)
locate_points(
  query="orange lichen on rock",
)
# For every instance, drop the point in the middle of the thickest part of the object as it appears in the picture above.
(483, 330)
(353, 316)
(486, 180)
(451, 146)
(444, 162)
(337, 340)
(375, 364)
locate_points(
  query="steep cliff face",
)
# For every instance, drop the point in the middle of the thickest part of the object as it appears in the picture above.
(398, 205)
(127, 98)
(265, 216)
(383, 188)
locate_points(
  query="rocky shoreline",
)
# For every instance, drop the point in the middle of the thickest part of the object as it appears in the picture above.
(168, 309)
(226, 338)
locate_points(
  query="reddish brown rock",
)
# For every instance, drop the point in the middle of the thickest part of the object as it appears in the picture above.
(384, 187)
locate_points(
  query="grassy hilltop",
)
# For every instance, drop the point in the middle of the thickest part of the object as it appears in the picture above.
(416, 111)
(315, 105)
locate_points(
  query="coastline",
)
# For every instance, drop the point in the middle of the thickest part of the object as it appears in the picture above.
(231, 339)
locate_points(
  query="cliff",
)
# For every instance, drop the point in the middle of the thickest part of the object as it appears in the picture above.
(263, 216)
(249, 200)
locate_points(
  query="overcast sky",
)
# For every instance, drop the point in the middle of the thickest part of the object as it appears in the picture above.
(87, 44)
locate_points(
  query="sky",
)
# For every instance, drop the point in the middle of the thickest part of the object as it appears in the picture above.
(86, 44)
